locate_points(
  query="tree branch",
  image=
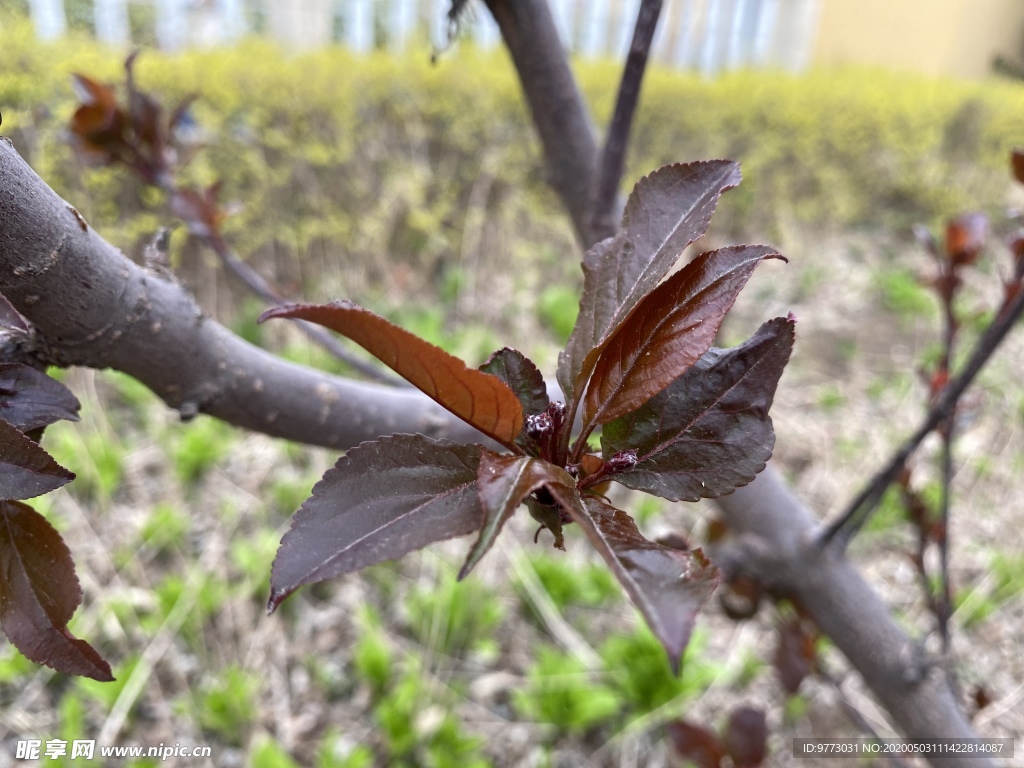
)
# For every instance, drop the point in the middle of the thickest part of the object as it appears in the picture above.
(557, 108)
(95, 307)
(606, 210)
(775, 542)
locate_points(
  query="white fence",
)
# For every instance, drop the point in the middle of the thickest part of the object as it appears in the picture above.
(710, 35)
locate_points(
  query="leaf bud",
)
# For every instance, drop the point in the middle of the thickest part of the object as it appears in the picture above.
(539, 426)
(621, 461)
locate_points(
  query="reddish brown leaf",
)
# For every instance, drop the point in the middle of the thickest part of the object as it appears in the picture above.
(666, 585)
(669, 331)
(795, 657)
(145, 112)
(709, 432)
(39, 593)
(981, 697)
(667, 210)
(200, 211)
(696, 743)
(98, 125)
(26, 470)
(741, 597)
(1017, 163)
(29, 399)
(965, 237)
(746, 736)
(503, 482)
(483, 400)
(380, 501)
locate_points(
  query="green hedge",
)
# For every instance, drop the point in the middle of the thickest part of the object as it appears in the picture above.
(342, 157)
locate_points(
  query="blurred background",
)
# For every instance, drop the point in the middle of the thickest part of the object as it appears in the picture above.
(365, 156)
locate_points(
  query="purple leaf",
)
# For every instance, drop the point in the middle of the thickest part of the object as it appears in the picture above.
(26, 470)
(667, 210)
(504, 481)
(521, 376)
(746, 736)
(709, 432)
(668, 332)
(380, 501)
(30, 399)
(667, 586)
(39, 593)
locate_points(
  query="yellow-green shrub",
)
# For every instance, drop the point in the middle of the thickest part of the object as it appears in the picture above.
(340, 159)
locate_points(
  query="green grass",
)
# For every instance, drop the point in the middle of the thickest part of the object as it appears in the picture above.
(454, 617)
(561, 692)
(904, 294)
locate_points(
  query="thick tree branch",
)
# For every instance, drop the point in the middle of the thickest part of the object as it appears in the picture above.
(776, 543)
(557, 108)
(94, 307)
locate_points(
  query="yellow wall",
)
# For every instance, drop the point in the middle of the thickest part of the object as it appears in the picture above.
(934, 37)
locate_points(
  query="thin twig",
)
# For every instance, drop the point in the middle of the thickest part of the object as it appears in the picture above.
(859, 510)
(944, 600)
(857, 717)
(604, 213)
(259, 286)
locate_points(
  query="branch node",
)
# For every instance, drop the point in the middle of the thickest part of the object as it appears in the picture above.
(188, 410)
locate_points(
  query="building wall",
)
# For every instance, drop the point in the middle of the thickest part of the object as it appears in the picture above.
(934, 37)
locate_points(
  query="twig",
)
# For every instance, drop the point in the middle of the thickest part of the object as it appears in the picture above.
(259, 286)
(604, 213)
(944, 600)
(859, 510)
(857, 717)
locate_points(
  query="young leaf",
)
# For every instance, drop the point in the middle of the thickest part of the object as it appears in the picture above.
(745, 737)
(98, 125)
(671, 328)
(29, 399)
(504, 481)
(522, 377)
(709, 432)
(483, 400)
(667, 586)
(39, 593)
(26, 470)
(795, 657)
(380, 501)
(696, 743)
(667, 210)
